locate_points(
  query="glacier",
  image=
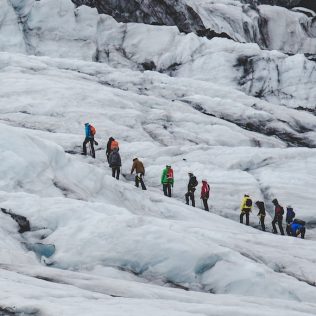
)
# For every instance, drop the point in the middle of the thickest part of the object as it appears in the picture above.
(233, 110)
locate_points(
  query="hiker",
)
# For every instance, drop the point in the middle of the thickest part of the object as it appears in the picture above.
(278, 217)
(140, 172)
(191, 189)
(167, 180)
(115, 163)
(261, 214)
(108, 148)
(245, 208)
(112, 143)
(290, 214)
(297, 227)
(205, 194)
(89, 132)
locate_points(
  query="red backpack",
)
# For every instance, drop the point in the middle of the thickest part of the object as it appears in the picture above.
(170, 174)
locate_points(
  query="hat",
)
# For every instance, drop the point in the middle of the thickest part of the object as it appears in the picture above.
(135, 159)
(275, 201)
(289, 206)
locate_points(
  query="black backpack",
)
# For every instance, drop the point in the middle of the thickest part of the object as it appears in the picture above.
(248, 202)
(192, 184)
(282, 210)
(299, 221)
(207, 194)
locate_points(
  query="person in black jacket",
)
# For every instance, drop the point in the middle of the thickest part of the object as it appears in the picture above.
(115, 163)
(191, 189)
(261, 214)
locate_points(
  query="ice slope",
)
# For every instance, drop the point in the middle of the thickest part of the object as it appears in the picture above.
(100, 225)
(120, 250)
(146, 125)
(40, 27)
(47, 298)
(278, 78)
(271, 27)
(137, 109)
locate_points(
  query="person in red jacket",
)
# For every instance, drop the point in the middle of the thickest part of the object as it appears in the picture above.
(278, 217)
(205, 194)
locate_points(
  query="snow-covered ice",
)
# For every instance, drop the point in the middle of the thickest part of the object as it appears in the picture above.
(124, 251)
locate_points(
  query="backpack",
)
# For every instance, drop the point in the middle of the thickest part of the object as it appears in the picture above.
(248, 202)
(195, 182)
(207, 193)
(92, 130)
(170, 174)
(114, 144)
(299, 221)
(282, 210)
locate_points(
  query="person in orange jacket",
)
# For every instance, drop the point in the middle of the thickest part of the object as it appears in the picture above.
(112, 143)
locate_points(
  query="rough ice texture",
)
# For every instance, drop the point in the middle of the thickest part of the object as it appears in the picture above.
(105, 221)
(80, 33)
(269, 27)
(226, 111)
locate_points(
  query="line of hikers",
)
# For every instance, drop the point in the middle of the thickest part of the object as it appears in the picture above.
(167, 177)
(294, 227)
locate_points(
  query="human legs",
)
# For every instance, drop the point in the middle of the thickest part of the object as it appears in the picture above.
(205, 205)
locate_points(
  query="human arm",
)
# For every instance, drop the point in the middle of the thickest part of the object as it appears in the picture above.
(133, 168)
(163, 176)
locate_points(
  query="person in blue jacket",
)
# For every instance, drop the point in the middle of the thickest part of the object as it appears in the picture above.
(297, 229)
(89, 133)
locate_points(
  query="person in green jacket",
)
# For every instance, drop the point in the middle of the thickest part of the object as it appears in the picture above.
(167, 180)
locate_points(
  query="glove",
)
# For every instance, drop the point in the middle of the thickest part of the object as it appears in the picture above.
(96, 143)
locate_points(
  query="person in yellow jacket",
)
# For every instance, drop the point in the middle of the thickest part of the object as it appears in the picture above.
(245, 208)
